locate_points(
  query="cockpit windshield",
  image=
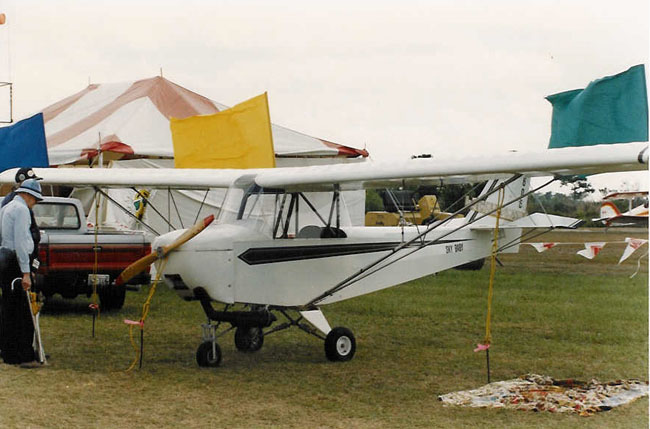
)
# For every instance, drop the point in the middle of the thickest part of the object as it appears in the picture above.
(281, 214)
(253, 206)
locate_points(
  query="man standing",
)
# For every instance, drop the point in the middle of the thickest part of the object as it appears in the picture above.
(16, 263)
(21, 175)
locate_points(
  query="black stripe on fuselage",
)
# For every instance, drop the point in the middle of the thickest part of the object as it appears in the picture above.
(269, 255)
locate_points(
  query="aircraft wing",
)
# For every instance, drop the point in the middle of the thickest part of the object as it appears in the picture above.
(449, 169)
(626, 195)
(626, 220)
(161, 178)
(563, 162)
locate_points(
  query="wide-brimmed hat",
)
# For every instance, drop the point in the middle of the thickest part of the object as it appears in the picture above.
(25, 173)
(31, 187)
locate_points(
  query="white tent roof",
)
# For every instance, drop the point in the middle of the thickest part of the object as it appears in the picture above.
(131, 119)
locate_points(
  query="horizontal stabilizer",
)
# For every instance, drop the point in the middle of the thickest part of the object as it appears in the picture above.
(542, 220)
(535, 220)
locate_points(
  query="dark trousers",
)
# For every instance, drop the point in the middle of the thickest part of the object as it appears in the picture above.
(16, 326)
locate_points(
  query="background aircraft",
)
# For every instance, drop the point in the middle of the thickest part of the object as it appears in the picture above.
(610, 215)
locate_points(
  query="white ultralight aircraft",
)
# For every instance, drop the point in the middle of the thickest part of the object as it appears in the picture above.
(264, 254)
(610, 215)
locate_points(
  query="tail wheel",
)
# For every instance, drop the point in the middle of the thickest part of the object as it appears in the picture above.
(340, 345)
(249, 338)
(206, 356)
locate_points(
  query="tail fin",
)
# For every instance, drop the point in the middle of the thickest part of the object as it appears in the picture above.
(608, 209)
(514, 190)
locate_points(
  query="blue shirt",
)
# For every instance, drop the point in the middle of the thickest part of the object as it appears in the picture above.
(15, 220)
(7, 199)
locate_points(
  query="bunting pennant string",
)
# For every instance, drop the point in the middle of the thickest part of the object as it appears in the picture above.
(592, 249)
(638, 264)
(632, 245)
(541, 247)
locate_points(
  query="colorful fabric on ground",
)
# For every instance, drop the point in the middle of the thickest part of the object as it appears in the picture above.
(239, 137)
(613, 109)
(632, 245)
(23, 144)
(541, 393)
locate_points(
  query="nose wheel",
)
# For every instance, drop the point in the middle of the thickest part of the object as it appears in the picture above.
(208, 354)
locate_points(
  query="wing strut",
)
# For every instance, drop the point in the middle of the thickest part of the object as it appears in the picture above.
(311, 206)
(108, 197)
(365, 272)
(153, 208)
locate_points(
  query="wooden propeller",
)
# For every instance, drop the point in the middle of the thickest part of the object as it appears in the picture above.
(160, 253)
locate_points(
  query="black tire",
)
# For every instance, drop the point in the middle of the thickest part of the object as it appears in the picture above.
(249, 339)
(472, 266)
(112, 297)
(105, 297)
(119, 294)
(205, 357)
(340, 345)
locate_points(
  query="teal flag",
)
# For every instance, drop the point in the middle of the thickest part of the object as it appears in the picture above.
(613, 109)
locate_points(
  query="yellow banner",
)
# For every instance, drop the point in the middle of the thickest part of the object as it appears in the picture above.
(239, 137)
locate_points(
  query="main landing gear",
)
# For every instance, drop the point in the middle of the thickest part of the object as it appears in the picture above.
(340, 344)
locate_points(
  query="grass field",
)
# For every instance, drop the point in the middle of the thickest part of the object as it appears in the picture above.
(555, 314)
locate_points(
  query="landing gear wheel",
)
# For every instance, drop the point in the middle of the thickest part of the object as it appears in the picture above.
(249, 338)
(340, 345)
(206, 357)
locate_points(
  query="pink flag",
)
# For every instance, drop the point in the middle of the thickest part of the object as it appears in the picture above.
(632, 245)
(592, 250)
(540, 247)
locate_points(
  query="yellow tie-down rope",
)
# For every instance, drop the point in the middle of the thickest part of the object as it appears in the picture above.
(493, 264)
(94, 297)
(145, 312)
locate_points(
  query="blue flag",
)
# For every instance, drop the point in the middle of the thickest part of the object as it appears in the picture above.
(23, 144)
(613, 109)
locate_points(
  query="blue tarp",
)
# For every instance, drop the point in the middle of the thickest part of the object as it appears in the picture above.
(23, 144)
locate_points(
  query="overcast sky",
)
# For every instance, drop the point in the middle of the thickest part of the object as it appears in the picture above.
(398, 77)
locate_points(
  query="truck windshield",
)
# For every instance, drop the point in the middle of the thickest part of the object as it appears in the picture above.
(56, 216)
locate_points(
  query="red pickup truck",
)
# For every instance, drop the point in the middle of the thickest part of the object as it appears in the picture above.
(67, 254)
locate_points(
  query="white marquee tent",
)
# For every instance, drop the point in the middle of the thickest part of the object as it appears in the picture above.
(131, 120)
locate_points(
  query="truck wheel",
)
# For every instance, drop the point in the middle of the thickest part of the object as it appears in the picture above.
(119, 293)
(105, 297)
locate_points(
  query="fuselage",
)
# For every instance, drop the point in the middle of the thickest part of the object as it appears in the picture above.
(234, 262)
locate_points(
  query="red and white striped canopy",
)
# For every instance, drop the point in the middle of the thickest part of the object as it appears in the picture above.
(131, 120)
